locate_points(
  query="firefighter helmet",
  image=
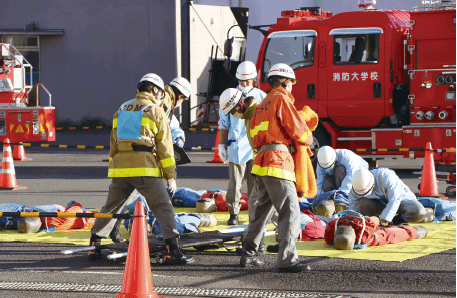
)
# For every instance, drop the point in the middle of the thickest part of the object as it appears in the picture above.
(182, 85)
(229, 99)
(154, 79)
(282, 70)
(246, 71)
(326, 157)
(363, 182)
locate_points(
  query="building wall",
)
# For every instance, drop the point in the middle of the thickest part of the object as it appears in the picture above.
(107, 47)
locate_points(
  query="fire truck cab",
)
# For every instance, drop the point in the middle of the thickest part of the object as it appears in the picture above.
(378, 79)
(20, 122)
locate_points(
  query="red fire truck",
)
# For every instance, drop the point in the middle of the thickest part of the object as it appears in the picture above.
(20, 122)
(378, 79)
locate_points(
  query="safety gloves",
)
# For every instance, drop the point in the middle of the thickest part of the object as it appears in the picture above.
(222, 152)
(171, 186)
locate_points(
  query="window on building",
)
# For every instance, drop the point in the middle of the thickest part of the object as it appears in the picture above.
(29, 47)
(294, 48)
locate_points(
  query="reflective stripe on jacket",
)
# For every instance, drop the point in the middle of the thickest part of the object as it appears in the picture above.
(276, 121)
(155, 133)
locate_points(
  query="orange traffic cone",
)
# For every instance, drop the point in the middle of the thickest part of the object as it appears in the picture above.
(19, 153)
(429, 183)
(217, 158)
(137, 280)
(8, 174)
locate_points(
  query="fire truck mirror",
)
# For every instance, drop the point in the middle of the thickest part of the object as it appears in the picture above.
(2, 127)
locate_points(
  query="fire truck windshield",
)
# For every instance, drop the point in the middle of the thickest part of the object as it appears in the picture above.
(294, 48)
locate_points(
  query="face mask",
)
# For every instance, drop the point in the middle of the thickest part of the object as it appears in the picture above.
(245, 89)
(238, 114)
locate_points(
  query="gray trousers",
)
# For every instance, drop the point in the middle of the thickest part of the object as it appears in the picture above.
(233, 198)
(275, 194)
(153, 190)
(410, 210)
(333, 182)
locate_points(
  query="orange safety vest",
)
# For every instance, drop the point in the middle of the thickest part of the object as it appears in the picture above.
(276, 121)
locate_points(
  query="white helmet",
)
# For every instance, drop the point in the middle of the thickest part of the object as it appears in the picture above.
(246, 71)
(363, 182)
(154, 79)
(284, 71)
(229, 99)
(182, 85)
(326, 157)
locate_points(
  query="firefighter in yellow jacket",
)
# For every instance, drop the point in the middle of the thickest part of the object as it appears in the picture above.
(141, 153)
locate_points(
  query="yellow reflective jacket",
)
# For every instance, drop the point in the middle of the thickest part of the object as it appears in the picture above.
(169, 100)
(155, 133)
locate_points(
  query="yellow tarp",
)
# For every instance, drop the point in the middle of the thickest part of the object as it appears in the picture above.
(441, 237)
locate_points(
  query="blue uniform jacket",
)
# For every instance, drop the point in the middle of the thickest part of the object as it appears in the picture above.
(238, 151)
(389, 189)
(176, 131)
(351, 161)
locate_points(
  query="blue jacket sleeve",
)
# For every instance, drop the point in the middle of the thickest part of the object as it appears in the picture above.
(176, 131)
(353, 201)
(320, 174)
(394, 192)
(352, 162)
(224, 121)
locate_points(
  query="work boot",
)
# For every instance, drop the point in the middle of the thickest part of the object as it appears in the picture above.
(233, 221)
(174, 255)
(249, 257)
(344, 237)
(273, 248)
(291, 269)
(325, 208)
(115, 234)
(97, 253)
(421, 232)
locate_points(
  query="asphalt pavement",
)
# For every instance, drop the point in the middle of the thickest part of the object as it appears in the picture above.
(62, 175)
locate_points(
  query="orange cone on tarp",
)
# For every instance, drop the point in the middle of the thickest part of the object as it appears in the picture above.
(429, 183)
(19, 153)
(137, 280)
(217, 158)
(8, 174)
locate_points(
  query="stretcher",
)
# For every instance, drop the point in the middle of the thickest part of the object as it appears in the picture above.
(228, 238)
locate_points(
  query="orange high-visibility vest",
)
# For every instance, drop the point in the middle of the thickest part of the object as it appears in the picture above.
(276, 121)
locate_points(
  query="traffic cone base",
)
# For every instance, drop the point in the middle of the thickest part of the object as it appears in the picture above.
(19, 153)
(429, 183)
(216, 157)
(8, 174)
(137, 280)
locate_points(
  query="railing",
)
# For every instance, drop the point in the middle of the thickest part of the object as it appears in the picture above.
(37, 98)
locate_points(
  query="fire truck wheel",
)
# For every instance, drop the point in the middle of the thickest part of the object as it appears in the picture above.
(419, 186)
(321, 138)
(450, 190)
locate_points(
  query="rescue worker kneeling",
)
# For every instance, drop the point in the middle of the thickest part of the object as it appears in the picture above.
(380, 192)
(141, 152)
(275, 126)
